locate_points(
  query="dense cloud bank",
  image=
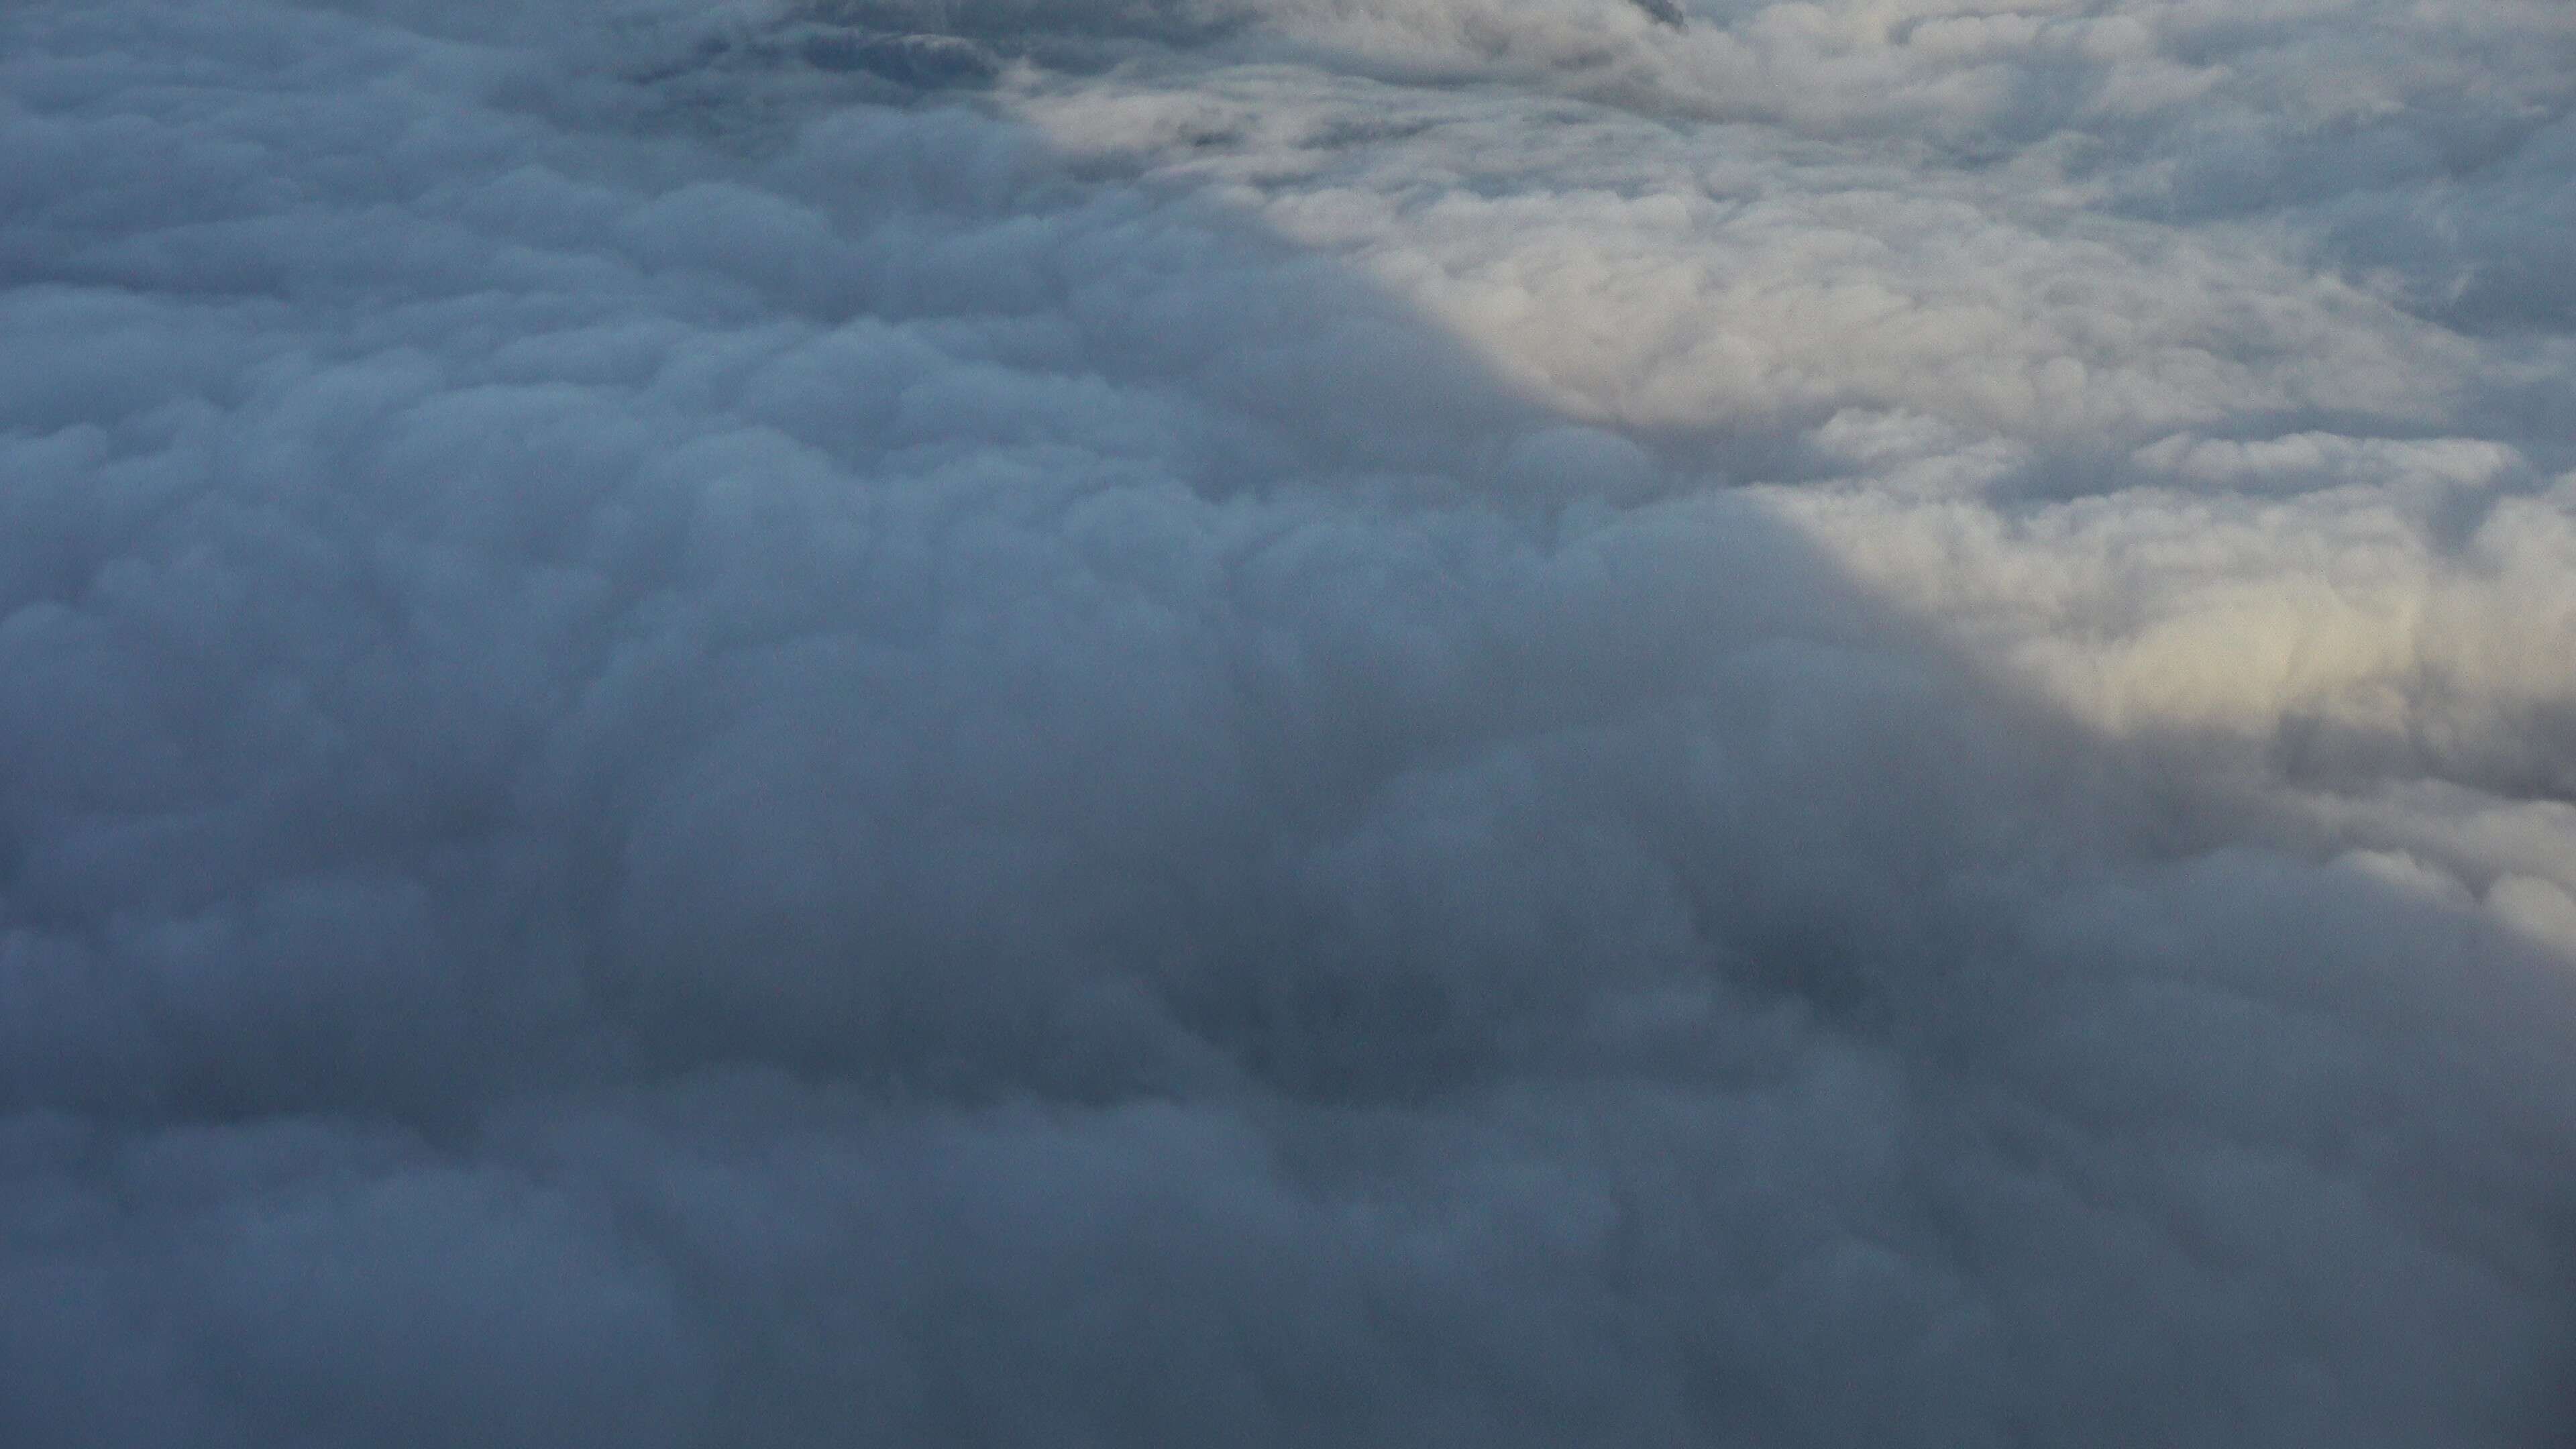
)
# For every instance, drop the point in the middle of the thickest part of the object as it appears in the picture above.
(1316, 722)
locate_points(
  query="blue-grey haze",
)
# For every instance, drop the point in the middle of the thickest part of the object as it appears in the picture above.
(1287, 722)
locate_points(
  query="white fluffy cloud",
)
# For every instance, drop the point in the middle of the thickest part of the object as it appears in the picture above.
(1286, 721)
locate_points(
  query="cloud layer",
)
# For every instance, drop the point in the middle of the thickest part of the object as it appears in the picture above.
(1287, 721)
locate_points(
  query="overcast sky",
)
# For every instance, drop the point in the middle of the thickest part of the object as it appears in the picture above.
(1287, 722)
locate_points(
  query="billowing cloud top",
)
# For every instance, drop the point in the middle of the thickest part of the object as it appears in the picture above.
(1303, 722)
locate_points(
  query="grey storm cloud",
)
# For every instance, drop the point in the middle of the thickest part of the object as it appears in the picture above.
(1308, 722)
